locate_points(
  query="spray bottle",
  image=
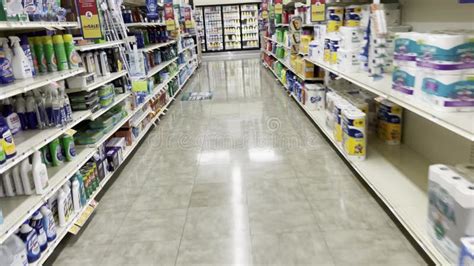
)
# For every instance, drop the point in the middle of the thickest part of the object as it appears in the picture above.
(21, 66)
(73, 57)
(20, 107)
(49, 54)
(13, 120)
(30, 54)
(66, 103)
(39, 52)
(6, 139)
(60, 52)
(41, 106)
(6, 72)
(32, 114)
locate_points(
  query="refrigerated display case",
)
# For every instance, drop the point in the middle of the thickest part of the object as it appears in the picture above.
(249, 22)
(213, 28)
(229, 27)
(198, 17)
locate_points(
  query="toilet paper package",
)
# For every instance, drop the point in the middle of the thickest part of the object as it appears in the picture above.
(466, 258)
(448, 92)
(352, 16)
(334, 42)
(354, 140)
(331, 98)
(389, 121)
(348, 61)
(315, 96)
(406, 48)
(467, 170)
(351, 38)
(436, 48)
(334, 18)
(450, 210)
(404, 80)
(339, 105)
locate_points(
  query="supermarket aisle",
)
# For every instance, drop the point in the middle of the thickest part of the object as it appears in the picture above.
(243, 178)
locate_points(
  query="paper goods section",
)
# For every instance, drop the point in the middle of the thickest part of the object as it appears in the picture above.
(391, 87)
(77, 98)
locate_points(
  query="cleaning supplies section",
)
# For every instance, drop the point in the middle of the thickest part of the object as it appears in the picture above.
(375, 72)
(73, 110)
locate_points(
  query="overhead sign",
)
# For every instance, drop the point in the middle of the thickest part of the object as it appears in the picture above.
(89, 17)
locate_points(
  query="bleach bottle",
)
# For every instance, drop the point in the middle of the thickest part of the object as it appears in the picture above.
(6, 139)
(48, 223)
(30, 238)
(21, 66)
(36, 222)
(18, 250)
(6, 72)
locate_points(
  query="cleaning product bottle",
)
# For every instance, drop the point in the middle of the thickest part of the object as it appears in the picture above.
(97, 61)
(73, 57)
(6, 256)
(40, 173)
(69, 205)
(60, 52)
(20, 108)
(67, 142)
(62, 205)
(41, 107)
(49, 106)
(30, 238)
(36, 223)
(39, 52)
(67, 104)
(6, 72)
(27, 177)
(8, 185)
(49, 54)
(6, 139)
(48, 223)
(28, 50)
(13, 120)
(46, 156)
(56, 108)
(90, 63)
(32, 113)
(21, 66)
(57, 157)
(18, 250)
(76, 197)
(82, 189)
(104, 65)
(17, 180)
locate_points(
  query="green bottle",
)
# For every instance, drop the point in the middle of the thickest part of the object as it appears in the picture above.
(73, 57)
(60, 52)
(57, 157)
(67, 142)
(39, 52)
(3, 156)
(49, 54)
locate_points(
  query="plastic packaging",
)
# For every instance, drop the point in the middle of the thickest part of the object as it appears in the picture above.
(40, 173)
(13, 120)
(8, 185)
(67, 142)
(49, 223)
(104, 65)
(6, 139)
(57, 157)
(30, 238)
(32, 114)
(27, 177)
(36, 223)
(40, 54)
(18, 250)
(97, 61)
(6, 256)
(21, 65)
(29, 54)
(20, 107)
(6, 72)
(60, 52)
(76, 197)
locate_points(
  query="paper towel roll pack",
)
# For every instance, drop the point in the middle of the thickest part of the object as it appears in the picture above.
(389, 119)
(450, 209)
(315, 96)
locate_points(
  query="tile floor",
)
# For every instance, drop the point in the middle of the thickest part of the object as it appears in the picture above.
(243, 179)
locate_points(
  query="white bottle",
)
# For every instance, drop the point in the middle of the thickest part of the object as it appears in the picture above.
(32, 113)
(20, 63)
(27, 177)
(76, 198)
(49, 223)
(20, 108)
(17, 180)
(6, 256)
(8, 185)
(18, 250)
(36, 222)
(62, 198)
(104, 65)
(6, 49)
(97, 61)
(40, 173)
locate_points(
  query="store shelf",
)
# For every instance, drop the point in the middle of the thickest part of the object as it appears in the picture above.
(159, 67)
(17, 209)
(290, 68)
(155, 46)
(30, 25)
(118, 99)
(402, 187)
(112, 131)
(99, 82)
(29, 141)
(249, 40)
(187, 48)
(25, 85)
(144, 24)
(184, 83)
(136, 121)
(460, 123)
(278, 43)
(95, 46)
(186, 63)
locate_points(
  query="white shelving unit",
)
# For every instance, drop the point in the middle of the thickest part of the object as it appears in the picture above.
(159, 67)
(32, 25)
(155, 46)
(25, 85)
(461, 123)
(118, 99)
(95, 46)
(29, 141)
(99, 82)
(187, 48)
(402, 191)
(144, 24)
(290, 68)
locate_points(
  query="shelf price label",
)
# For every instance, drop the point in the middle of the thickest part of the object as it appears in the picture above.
(278, 7)
(89, 18)
(318, 10)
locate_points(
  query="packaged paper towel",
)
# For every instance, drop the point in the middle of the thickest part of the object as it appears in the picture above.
(450, 210)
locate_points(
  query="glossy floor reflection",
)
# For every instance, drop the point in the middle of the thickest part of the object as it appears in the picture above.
(242, 179)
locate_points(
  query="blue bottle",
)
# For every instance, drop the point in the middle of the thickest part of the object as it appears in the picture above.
(30, 238)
